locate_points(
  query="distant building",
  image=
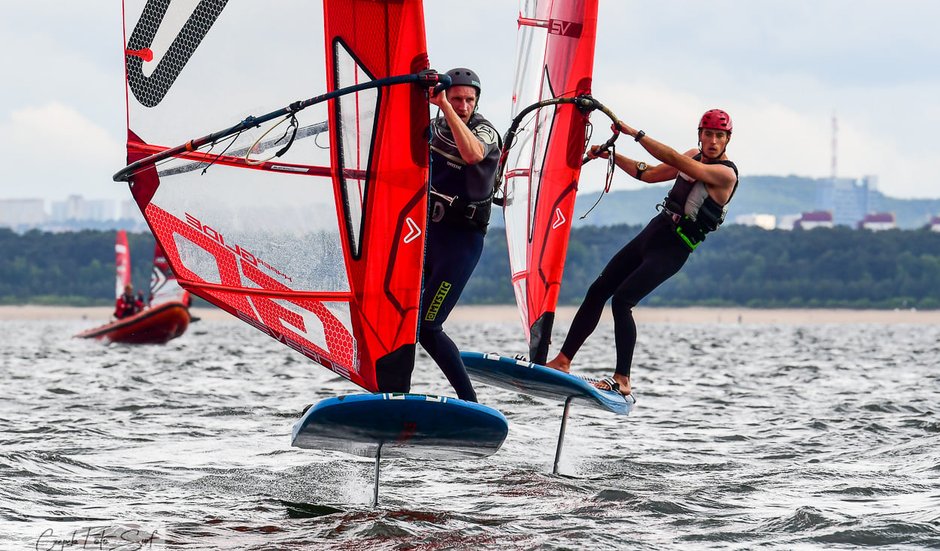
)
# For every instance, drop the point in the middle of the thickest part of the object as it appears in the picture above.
(877, 221)
(22, 213)
(935, 224)
(130, 211)
(815, 219)
(76, 207)
(788, 221)
(848, 199)
(766, 221)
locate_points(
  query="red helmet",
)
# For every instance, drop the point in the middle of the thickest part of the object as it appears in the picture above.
(716, 119)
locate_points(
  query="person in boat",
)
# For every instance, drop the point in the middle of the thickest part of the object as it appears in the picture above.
(140, 303)
(464, 155)
(705, 180)
(126, 304)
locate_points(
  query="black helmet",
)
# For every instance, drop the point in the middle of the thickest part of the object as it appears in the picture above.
(462, 76)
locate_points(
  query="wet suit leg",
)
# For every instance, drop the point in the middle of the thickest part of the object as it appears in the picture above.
(452, 254)
(649, 259)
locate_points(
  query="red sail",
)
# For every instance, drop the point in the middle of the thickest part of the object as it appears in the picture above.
(555, 57)
(122, 263)
(310, 227)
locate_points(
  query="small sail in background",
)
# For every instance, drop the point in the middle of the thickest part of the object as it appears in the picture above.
(122, 263)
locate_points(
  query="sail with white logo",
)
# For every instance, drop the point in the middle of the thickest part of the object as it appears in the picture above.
(310, 225)
(554, 67)
(539, 171)
(304, 218)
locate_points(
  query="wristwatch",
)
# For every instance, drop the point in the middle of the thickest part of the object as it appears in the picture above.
(640, 169)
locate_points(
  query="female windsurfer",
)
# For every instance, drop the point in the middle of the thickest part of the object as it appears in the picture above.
(464, 156)
(705, 180)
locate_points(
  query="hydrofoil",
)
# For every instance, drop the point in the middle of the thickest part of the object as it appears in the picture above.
(414, 426)
(538, 380)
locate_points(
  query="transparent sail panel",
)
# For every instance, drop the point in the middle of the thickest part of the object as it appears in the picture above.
(542, 131)
(523, 167)
(215, 62)
(283, 224)
(357, 113)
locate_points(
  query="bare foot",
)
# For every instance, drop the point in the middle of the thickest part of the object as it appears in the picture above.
(622, 380)
(560, 362)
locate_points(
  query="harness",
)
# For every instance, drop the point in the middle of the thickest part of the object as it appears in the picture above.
(453, 208)
(460, 212)
(692, 231)
(710, 215)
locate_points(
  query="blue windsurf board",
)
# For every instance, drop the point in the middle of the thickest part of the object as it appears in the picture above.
(530, 378)
(416, 426)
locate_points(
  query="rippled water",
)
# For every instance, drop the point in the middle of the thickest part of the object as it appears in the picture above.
(744, 436)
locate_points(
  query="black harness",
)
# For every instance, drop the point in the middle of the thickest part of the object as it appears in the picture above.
(460, 212)
(448, 186)
(709, 217)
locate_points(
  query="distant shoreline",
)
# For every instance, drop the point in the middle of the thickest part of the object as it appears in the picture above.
(508, 313)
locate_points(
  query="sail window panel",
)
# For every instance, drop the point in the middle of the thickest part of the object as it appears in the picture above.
(283, 224)
(356, 117)
(543, 130)
(197, 260)
(522, 168)
(210, 79)
(519, 287)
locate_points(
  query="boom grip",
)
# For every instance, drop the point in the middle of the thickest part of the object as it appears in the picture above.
(444, 82)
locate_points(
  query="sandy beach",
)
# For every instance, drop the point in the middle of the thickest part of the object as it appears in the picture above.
(564, 314)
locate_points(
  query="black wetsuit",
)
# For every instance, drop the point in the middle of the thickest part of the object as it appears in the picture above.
(459, 211)
(649, 259)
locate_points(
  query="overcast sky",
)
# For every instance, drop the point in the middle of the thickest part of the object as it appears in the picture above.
(782, 68)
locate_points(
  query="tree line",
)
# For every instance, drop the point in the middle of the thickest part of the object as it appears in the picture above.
(736, 266)
(748, 266)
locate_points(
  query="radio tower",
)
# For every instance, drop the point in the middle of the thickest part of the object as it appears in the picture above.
(835, 132)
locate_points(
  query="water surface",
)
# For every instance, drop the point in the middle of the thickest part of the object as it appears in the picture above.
(744, 436)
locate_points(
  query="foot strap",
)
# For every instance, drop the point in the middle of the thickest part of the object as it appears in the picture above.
(611, 383)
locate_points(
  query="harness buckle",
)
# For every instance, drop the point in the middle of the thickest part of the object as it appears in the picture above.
(672, 215)
(450, 200)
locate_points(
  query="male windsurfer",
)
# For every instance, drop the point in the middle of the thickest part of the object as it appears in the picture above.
(464, 155)
(705, 180)
(126, 304)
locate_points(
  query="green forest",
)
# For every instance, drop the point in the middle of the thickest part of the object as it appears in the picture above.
(736, 266)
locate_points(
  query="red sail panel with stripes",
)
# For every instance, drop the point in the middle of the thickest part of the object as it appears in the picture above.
(554, 57)
(122, 263)
(321, 247)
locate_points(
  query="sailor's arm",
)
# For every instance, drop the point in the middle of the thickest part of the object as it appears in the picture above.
(711, 174)
(652, 175)
(470, 148)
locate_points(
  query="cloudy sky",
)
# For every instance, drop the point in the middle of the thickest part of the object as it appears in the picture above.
(782, 68)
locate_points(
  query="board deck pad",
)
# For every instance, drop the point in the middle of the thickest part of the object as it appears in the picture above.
(538, 380)
(415, 426)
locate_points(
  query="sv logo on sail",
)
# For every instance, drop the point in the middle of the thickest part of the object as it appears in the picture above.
(564, 28)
